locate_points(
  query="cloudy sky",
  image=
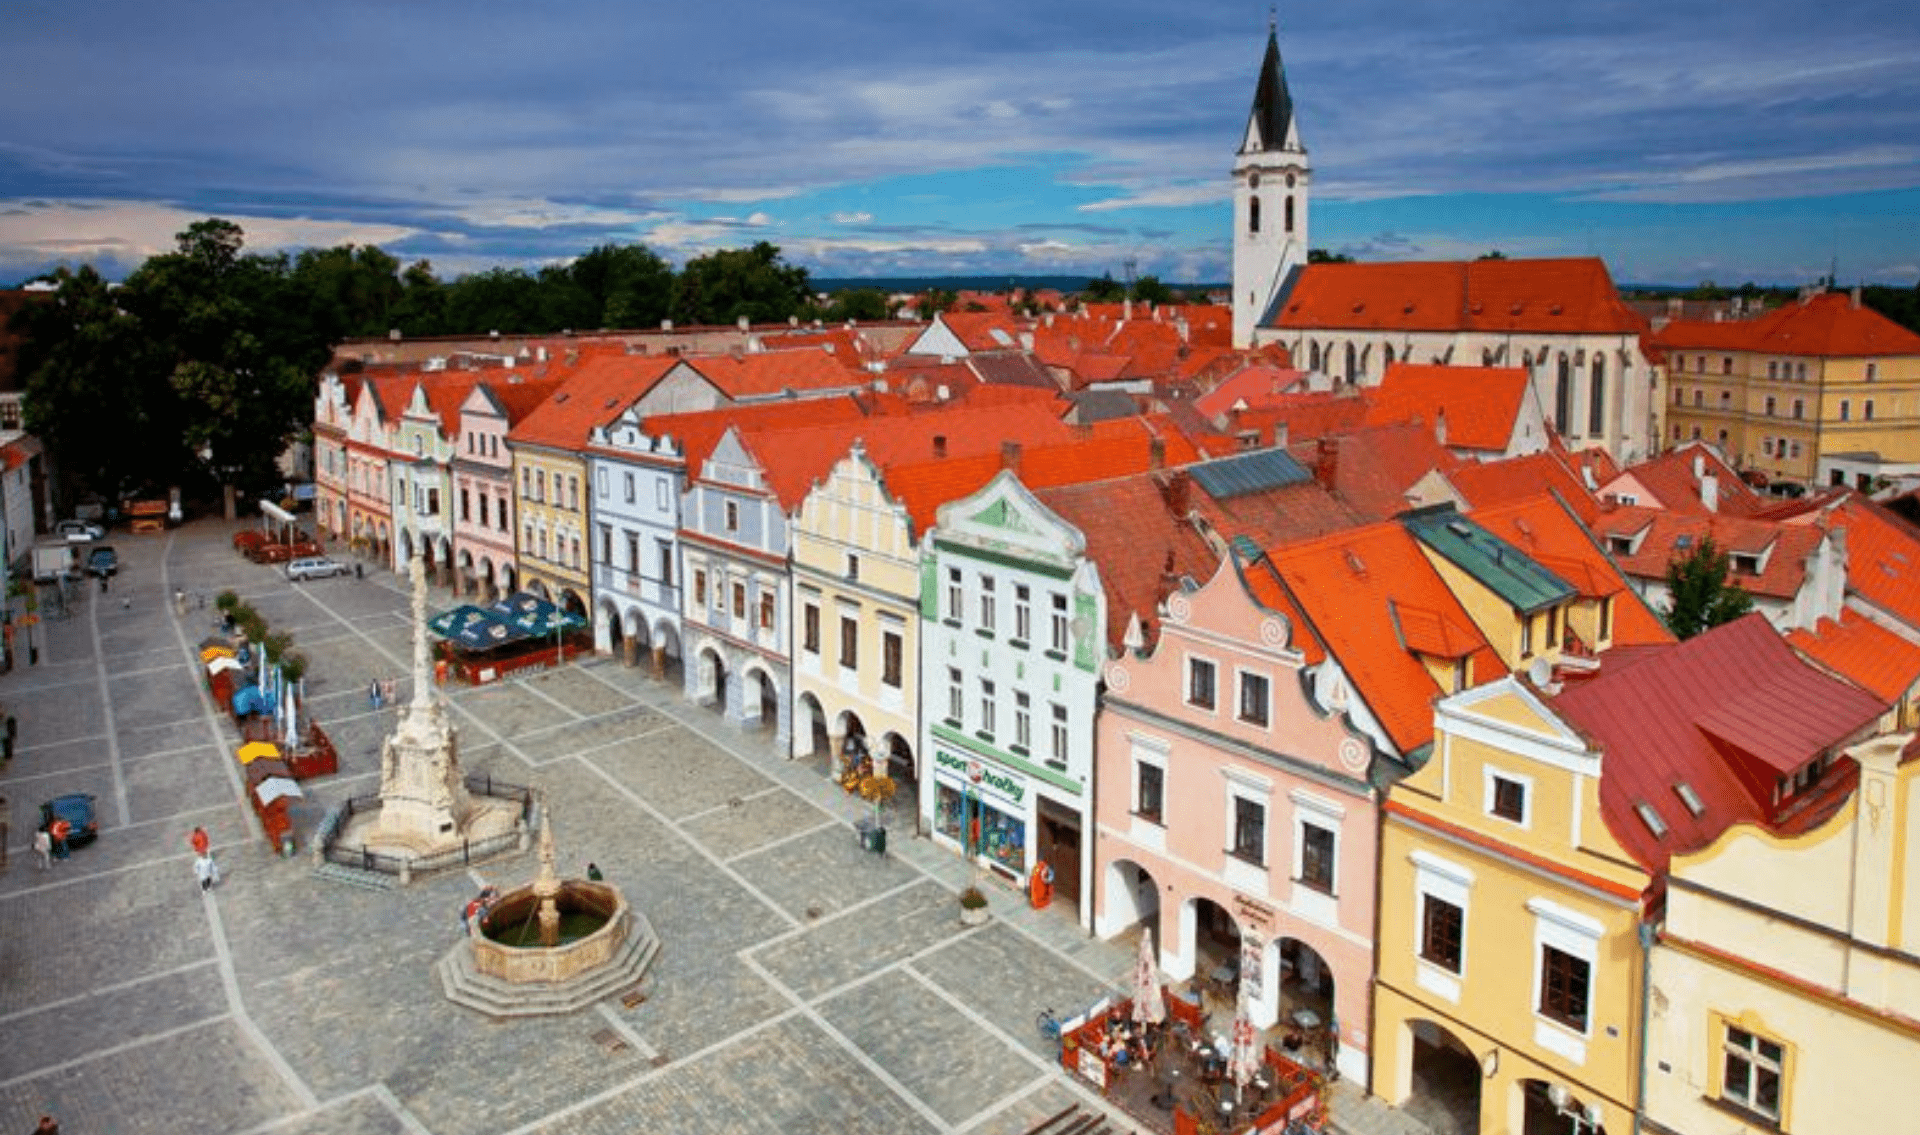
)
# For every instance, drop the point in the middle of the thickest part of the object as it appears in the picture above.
(1681, 140)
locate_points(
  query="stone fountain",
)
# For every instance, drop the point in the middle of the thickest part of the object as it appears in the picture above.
(552, 946)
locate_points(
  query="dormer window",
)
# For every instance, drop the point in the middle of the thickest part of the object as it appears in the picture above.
(1803, 778)
(1746, 563)
(1620, 545)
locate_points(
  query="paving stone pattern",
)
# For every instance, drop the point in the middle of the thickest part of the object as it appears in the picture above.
(804, 984)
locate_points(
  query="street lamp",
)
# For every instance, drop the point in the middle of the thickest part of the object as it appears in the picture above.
(1586, 1118)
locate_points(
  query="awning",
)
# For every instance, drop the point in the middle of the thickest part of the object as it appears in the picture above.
(209, 653)
(254, 750)
(473, 628)
(535, 616)
(275, 787)
(266, 769)
(224, 662)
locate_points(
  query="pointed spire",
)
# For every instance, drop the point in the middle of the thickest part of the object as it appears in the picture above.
(1272, 119)
(422, 656)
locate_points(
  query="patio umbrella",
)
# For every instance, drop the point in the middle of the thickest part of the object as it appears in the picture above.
(255, 750)
(222, 662)
(1245, 1061)
(1149, 1006)
(275, 787)
(210, 651)
(292, 712)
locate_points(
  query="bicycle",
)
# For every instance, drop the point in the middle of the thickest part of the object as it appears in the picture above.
(1049, 1026)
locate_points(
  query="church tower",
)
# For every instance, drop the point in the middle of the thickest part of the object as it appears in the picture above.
(1272, 182)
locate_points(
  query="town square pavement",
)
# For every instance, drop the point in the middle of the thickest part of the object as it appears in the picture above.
(803, 985)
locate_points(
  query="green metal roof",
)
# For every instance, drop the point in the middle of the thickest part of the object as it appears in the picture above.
(1499, 566)
(1260, 471)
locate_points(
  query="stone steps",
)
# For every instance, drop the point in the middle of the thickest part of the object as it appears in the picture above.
(354, 876)
(466, 986)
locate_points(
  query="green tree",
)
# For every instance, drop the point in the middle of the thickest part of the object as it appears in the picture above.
(1104, 290)
(422, 306)
(937, 300)
(506, 300)
(722, 286)
(1322, 256)
(868, 305)
(348, 291)
(1149, 289)
(1700, 596)
(628, 285)
(1495, 254)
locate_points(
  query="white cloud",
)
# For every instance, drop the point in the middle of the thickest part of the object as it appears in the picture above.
(1164, 197)
(130, 231)
(852, 218)
(539, 213)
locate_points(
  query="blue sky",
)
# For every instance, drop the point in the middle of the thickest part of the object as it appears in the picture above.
(1679, 140)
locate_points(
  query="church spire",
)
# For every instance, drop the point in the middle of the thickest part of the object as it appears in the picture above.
(1270, 126)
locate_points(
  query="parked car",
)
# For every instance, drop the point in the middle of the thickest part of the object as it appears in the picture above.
(78, 531)
(102, 561)
(315, 567)
(76, 808)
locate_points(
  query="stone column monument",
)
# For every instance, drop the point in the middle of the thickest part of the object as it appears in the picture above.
(424, 805)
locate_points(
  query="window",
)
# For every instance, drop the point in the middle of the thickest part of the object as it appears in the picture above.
(1253, 214)
(573, 492)
(1022, 613)
(483, 510)
(890, 658)
(1526, 636)
(1726, 399)
(1059, 731)
(954, 595)
(739, 600)
(767, 611)
(1442, 931)
(1058, 636)
(1873, 371)
(986, 602)
(956, 704)
(606, 544)
(853, 566)
(1699, 398)
(1565, 983)
(1507, 798)
(1795, 448)
(1553, 627)
(1800, 371)
(1751, 1072)
(1317, 846)
(1726, 364)
(1022, 721)
(1773, 368)
(731, 518)
(1249, 830)
(1846, 409)
(810, 628)
(1769, 405)
(1149, 790)
(986, 707)
(849, 642)
(665, 550)
(1200, 679)
(1799, 408)
(633, 552)
(1679, 396)
(1866, 410)
(660, 495)
(466, 505)
(573, 551)
(600, 481)
(1254, 699)
(631, 488)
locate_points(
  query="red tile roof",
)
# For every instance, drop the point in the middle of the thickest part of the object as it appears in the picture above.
(1481, 405)
(976, 330)
(1883, 557)
(597, 391)
(1357, 589)
(1785, 547)
(1250, 387)
(1142, 549)
(767, 374)
(1673, 483)
(1724, 713)
(518, 399)
(1483, 484)
(1305, 416)
(1828, 325)
(1549, 529)
(1372, 469)
(1861, 650)
(1571, 296)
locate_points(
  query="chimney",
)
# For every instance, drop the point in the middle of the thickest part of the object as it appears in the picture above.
(666, 325)
(1126, 310)
(1280, 435)
(1326, 462)
(742, 323)
(1010, 456)
(939, 445)
(1699, 466)
(1854, 296)
(1180, 493)
(1710, 492)
(1156, 453)
(1440, 426)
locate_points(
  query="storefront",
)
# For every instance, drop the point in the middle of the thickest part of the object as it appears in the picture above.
(982, 810)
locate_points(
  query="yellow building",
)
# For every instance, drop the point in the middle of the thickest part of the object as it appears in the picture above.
(1818, 391)
(1521, 863)
(1786, 982)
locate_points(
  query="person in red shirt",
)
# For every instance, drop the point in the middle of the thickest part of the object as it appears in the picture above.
(60, 830)
(199, 841)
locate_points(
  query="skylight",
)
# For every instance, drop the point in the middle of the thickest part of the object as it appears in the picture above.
(1651, 818)
(1690, 798)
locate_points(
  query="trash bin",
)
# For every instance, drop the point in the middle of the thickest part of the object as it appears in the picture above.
(873, 837)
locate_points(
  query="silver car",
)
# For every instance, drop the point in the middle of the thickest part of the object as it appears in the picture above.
(315, 567)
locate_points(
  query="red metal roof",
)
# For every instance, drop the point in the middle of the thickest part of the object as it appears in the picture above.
(1722, 713)
(1828, 325)
(1570, 296)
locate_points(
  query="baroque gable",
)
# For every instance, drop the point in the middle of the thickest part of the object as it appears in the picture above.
(1005, 518)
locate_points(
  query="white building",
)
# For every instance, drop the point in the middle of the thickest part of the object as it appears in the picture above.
(638, 480)
(1272, 182)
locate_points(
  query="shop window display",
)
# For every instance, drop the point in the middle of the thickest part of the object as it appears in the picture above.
(991, 832)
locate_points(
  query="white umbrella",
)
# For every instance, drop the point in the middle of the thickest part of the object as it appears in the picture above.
(223, 662)
(1245, 1061)
(286, 711)
(1149, 1006)
(274, 787)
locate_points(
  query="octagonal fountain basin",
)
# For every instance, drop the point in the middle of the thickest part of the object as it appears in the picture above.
(593, 924)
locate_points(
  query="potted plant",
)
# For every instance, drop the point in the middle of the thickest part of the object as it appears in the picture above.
(973, 906)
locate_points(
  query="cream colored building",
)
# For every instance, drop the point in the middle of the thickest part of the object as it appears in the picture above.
(856, 598)
(1786, 982)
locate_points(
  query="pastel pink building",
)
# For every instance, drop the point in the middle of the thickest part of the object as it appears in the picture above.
(1235, 814)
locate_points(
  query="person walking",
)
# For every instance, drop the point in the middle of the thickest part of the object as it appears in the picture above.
(205, 871)
(43, 848)
(373, 694)
(593, 873)
(202, 849)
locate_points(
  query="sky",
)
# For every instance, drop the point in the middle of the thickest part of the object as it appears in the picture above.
(1769, 141)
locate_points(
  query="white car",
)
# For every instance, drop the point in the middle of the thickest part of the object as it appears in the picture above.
(79, 531)
(315, 567)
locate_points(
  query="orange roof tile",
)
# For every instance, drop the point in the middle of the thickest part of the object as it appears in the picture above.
(1481, 405)
(1483, 484)
(1305, 416)
(1785, 547)
(1549, 528)
(1250, 387)
(984, 330)
(597, 391)
(1883, 557)
(767, 374)
(1372, 469)
(1569, 296)
(1864, 652)
(1828, 325)
(1140, 546)
(1675, 479)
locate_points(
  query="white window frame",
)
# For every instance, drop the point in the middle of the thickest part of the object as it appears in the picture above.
(1448, 882)
(956, 595)
(1239, 694)
(1152, 758)
(1022, 613)
(1577, 936)
(1236, 871)
(1327, 815)
(1060, 632)
(987, 602)
(1489, 774)
(1186, 689)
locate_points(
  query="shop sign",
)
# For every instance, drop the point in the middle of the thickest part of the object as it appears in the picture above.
(982, 777)
(1253, 912)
